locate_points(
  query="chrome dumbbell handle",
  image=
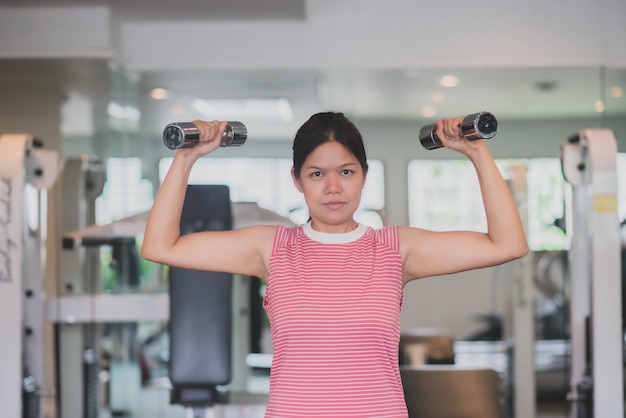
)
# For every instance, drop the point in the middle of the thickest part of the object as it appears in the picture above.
(186, 135)
(482, 125)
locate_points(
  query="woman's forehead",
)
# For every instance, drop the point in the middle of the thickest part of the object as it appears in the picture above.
(330, 153)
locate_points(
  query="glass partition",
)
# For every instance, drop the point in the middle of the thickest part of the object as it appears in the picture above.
(539, 109)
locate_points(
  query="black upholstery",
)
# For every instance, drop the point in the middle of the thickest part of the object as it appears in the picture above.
(200, 308)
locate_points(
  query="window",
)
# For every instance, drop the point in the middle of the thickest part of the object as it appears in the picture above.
(125, 192)
(444, 195)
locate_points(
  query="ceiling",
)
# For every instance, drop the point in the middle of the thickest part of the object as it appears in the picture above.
(361, 92)
(184, 9)
(395, 94)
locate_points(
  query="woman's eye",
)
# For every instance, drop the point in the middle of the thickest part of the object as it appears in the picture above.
(316, 174)
(346, 172)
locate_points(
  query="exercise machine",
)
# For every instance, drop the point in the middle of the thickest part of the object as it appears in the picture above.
(588, 162)
(27, 171)
(82, 182)
(200, 311)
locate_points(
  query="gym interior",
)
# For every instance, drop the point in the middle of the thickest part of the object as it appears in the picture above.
(90, 329)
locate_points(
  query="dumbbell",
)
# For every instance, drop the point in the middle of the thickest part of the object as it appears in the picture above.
(186, 135)
(482, 125)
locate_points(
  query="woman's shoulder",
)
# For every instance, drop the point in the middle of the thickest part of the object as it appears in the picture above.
(269, 234)
(384, 230)
(286, 234)
(387, 235)
(261, 230)
(411, 233)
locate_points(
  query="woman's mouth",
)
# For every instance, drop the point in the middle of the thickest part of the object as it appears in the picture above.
(334, 205)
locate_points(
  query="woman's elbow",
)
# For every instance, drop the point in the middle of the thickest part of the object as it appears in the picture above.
(520, 250)
(148, 252)
(523, 250)
(511, 250)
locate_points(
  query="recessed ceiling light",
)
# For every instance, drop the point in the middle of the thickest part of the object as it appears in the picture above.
(449, 81)
(599, 106)
(159, 93)
(428, 111)
(617, 92)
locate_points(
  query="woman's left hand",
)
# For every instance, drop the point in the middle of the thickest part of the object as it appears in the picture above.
(449, 132)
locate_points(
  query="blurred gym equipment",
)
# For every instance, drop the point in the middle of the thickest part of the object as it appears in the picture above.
(588, 162)
(190, 371)
(26, 173)
(451, 391)
(200, 311)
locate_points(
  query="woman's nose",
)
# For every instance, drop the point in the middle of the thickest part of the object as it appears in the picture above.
(333, 184)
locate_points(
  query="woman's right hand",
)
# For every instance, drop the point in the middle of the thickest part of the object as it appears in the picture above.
(210, 137)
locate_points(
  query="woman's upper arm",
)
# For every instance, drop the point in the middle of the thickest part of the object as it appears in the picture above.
(242, 251)
(428, 253)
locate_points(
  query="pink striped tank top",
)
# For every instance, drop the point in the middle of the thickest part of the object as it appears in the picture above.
(334, 303)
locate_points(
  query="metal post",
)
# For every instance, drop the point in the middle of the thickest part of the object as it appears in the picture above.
(12, 156)
(79, 354)
(523, 329)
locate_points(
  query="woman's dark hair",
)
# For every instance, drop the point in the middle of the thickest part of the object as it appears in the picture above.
(325, 127)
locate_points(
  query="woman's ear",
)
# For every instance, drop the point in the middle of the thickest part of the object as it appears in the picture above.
(296, 181)
(367, 168)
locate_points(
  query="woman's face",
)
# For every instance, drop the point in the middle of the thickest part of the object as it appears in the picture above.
(331, 180)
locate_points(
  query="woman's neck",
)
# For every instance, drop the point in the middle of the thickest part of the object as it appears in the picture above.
(334, 229)
(334, 237)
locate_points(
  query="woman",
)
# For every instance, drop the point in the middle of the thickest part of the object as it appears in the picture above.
(334, 286)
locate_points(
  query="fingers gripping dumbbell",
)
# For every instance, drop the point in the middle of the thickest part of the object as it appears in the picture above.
(186, 135)
(482, 125)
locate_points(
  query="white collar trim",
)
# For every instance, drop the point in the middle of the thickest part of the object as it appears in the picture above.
(334, 238)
